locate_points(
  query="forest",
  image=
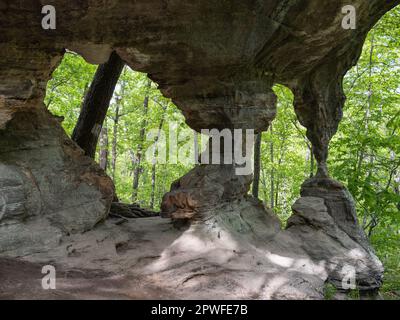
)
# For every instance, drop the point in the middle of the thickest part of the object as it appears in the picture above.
(364, 155)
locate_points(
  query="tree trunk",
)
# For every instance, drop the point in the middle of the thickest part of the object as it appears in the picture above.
(311, 161)
(257, 165)
(272, 191)
(396, 185)
(103, 152)
(369, 106)
(116, 119)
(154, 164)
(397, 192)
(264, 183)
(137, 170)
(114, 142)
(366, 127)
(196, 148)
(96, 103)
(277, 179)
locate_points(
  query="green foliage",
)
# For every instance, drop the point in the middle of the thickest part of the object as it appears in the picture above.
(288, 167)
(130, 93)
(329, 291)
(65, 92)
(67, 87)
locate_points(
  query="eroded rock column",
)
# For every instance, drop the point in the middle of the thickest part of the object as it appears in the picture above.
(319, 100)
(239, 108)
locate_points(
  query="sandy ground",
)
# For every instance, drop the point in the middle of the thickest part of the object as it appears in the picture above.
(23, 280)
(239, 252)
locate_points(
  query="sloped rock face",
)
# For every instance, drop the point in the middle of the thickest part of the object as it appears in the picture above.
(324, 240)
(218, 61)
(45, 177)
(238, 252)
(204, 187)
(340, 205)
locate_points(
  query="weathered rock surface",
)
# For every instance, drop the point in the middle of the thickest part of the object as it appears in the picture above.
(44, 175)
(238, 252)
(322, 238)
(340, 205)
(341, 219)
(204, 187)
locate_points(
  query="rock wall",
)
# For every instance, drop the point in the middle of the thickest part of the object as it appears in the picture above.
(45, 177)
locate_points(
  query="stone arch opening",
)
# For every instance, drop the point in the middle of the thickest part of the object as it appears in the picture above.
(136, 103)
(67, 87)
(286, 157)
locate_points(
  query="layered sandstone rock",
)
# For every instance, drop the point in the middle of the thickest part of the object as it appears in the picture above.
(46, 183)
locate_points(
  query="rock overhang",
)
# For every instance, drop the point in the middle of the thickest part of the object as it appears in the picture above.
(179, 43)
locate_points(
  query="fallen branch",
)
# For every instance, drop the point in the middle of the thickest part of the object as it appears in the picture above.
(131, 211)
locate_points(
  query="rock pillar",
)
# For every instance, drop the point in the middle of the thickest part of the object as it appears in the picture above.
(233, 114)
